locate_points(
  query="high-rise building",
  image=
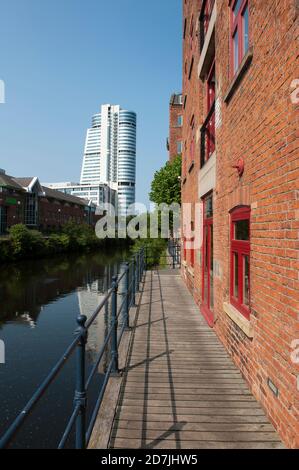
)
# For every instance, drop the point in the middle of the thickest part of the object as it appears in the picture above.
(110, 154)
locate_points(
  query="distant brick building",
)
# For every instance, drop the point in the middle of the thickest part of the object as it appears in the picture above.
(240, 174)
(174, 141)
(24, 200)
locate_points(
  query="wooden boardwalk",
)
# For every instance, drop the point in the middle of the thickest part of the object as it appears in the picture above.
(180, 388)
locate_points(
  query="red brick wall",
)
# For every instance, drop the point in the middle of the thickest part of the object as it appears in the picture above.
(193, 102)
(51, 218)
(259, 124)
(175, 131)
(15, 213)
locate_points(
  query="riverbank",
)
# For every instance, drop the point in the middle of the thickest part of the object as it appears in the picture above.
(23, 243)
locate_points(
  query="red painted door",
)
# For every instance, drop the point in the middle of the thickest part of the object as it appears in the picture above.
(208, 262)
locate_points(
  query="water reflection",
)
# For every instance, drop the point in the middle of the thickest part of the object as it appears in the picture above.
(26, 287)
(39, 303)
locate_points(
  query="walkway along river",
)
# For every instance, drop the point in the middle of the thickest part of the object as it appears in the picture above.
(39, 303)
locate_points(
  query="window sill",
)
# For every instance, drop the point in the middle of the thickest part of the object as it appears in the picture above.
(188, 268)
(190, 271)
(191, 167)
(208, 51)
(239, 319)
(244, 66)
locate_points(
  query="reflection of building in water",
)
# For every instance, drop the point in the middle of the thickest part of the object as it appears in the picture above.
(89, 300)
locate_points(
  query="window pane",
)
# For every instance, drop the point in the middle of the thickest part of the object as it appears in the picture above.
(236, 276)
(246, 30)
(209, 207)
(246, 280)
(236, 51)
(242, 230)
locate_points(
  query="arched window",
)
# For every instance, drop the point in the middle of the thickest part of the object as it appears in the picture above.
(240, 260)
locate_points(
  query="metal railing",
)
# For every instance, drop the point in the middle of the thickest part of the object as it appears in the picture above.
(174, 250)
(131, 279)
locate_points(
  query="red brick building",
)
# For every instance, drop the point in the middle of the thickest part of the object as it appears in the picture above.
(240, 175)
(174, 142)
(24, 200)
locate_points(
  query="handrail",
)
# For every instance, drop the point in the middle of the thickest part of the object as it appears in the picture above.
(132, 276)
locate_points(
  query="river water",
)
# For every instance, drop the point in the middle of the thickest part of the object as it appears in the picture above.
(39, 303)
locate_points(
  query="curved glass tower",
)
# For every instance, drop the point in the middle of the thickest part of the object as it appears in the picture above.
(110, 154)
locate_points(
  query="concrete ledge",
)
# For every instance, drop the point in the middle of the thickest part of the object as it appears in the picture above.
(207, 176)
(244, 66)
(237, 317)
(207, 52)
(190, 271)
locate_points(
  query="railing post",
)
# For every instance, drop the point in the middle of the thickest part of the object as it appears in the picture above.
(145, 258)
(142, 264)
(127, 294)
(114, 324)
(173, 255)
(80, 393)
(134, 281)
(140, 267)
(137, 272)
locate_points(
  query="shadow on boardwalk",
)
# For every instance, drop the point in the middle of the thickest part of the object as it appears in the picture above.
(180, 388)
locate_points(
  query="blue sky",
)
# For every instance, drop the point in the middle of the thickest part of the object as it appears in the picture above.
(61, 59)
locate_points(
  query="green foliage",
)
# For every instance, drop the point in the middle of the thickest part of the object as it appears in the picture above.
(155, 249)
(80, 236)
(25, 242)
(58, 243)
(166, 185)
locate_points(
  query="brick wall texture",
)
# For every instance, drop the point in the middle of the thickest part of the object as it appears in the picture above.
(260, 124)
(175, 131)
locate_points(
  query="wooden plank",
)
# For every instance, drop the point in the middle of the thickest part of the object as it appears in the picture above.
(180, 388)
(163, 444)
(194, 418)
(139, 397)
(215, 436)
(185, 388)
(194, 404)
(186, 426)
(185, 410)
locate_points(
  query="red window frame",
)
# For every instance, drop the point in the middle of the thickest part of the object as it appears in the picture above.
(184, 249)
(237, 27)
(192, 253)
(208, 231)
(211, 127)
(241, 249)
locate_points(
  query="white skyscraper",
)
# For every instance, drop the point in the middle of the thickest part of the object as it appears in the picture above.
(110, 153)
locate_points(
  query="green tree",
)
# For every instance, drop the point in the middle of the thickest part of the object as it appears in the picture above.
(166, 185)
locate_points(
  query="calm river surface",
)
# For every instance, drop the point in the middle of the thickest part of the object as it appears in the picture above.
(39, 303)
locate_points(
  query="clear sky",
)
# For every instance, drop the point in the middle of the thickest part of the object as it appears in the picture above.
(61, 59)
